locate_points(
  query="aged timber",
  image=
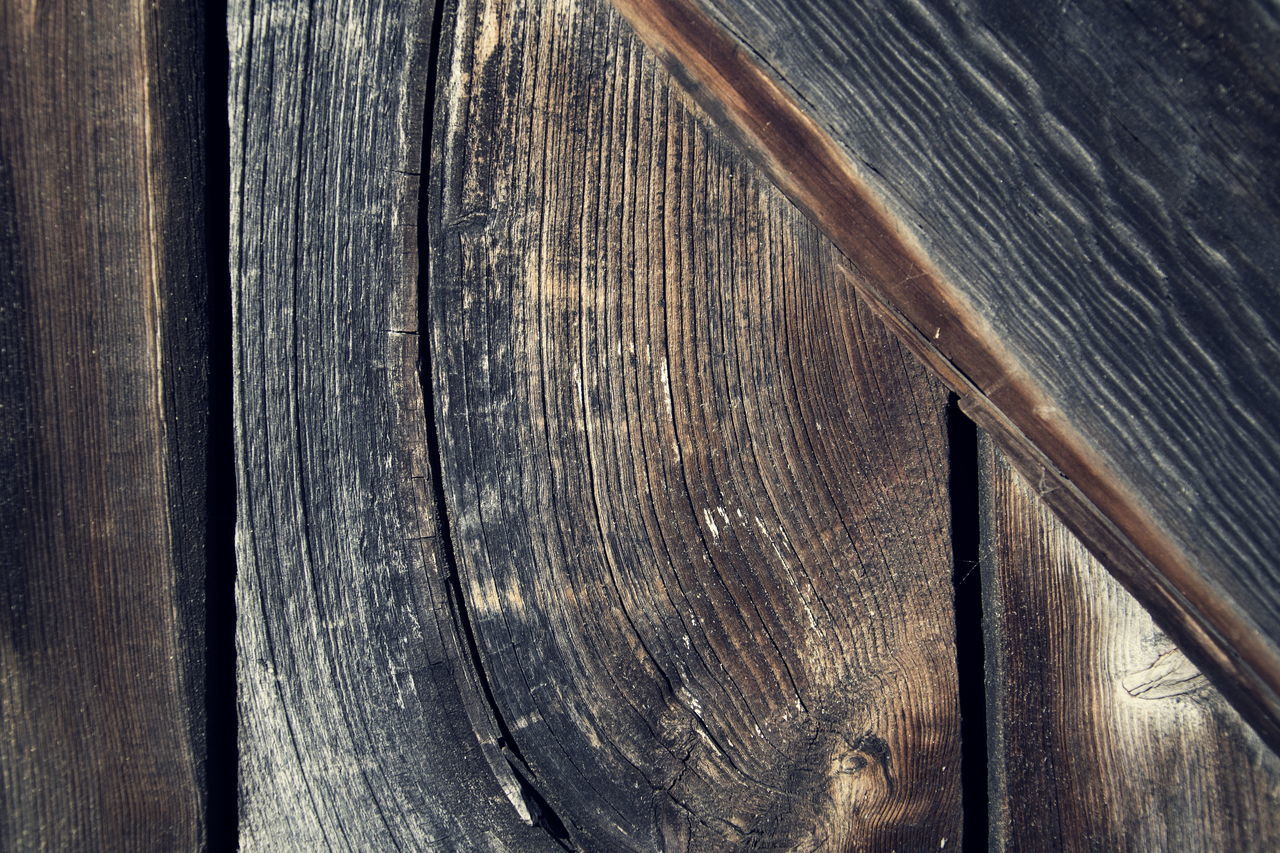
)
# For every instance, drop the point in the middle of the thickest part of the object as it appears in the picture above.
(1103, 735)
(696, 491)
(103, 420)
(359, 711)
(1070, 213)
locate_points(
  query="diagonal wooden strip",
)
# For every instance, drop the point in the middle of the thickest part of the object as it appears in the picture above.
(697, 492)
(1163, 443)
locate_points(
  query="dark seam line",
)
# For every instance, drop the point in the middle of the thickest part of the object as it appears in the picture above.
(222, 757)
(963, 484)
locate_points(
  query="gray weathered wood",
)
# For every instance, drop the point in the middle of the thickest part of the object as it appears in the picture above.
(355, 689)
(1071, 212)
(697, 493)
(1103, 736)
(103, 425)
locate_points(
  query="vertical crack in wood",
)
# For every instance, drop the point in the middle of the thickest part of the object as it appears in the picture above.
(540, 812)
(222, 754)
(962, 449)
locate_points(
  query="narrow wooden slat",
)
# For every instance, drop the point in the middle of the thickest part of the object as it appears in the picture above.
(1070, 213)
(102, 426)
(696, 492)
(358, 707)
(1103, 735)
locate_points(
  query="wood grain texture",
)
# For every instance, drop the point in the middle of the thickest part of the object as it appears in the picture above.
(696, 492)
(1070, 213)
(356, 698)
(1103, 736)
(103, 426)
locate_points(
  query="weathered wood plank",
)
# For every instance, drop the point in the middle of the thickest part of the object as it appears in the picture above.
(358, 708)
(103, 426)
(1103, 735)
(697, 493)
(1070, 212)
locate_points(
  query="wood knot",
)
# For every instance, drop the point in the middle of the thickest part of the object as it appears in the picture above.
(1171, 675)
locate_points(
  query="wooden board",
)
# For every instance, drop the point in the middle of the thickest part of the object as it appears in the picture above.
(1103, 736)
(1071, 213)
(103, 427)
(696, 492)
(358, 708)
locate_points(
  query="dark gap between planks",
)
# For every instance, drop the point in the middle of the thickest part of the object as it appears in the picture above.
(221, 721)
(966, 538)
(539, 809)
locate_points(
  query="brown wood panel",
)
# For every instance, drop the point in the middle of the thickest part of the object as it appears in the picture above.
(696, 491)
(1103, 736)
(1069, 212)
(359, 711)
(103, 424)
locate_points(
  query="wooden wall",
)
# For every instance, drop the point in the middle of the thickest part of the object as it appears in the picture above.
(1070, 213)
(589, 495)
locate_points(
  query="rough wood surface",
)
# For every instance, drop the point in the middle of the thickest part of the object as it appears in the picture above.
(1070, 212)
(1103, 736)
(354, 678)
(102, 427)
(696, 492)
